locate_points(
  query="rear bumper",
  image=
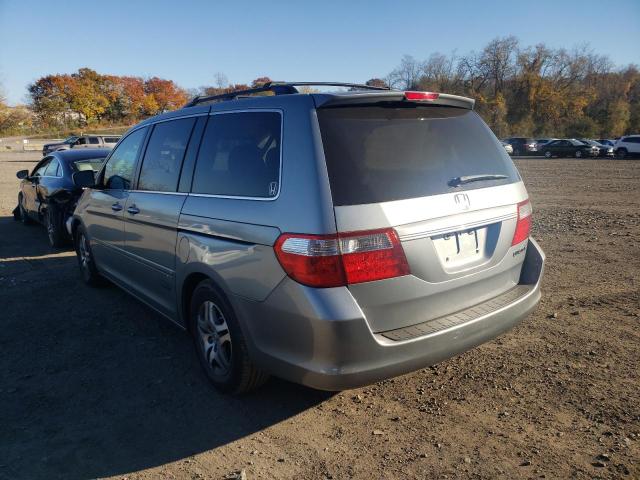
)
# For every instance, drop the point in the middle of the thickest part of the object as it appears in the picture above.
(320, 338)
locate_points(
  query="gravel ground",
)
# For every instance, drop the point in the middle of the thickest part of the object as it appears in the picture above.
(94, 384)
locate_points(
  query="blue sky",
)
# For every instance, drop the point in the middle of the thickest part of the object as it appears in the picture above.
(189, 41)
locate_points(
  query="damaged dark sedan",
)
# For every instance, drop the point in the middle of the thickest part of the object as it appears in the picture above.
(48, 195)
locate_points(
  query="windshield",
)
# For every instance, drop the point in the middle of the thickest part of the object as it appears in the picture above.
(70, 140)
(379, 154)
(88, 164)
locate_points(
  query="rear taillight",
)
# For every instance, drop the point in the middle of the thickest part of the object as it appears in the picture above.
(523, 227)
(421, 96)
(342, 259)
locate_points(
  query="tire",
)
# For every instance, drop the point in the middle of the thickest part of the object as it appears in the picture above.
(516, 152)
(219, 342)
(24, 216)
(87, 265)
(578, 154)
(53, 222)
(547, 154)
(621, 153)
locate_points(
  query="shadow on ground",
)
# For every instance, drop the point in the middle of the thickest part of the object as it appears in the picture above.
(95, 384)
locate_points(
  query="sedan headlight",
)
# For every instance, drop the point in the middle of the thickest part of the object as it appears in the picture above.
(610, 150)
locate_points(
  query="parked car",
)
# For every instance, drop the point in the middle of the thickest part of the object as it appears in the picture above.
(522, 145)
(507, 147)
(606, 141)
(603, 150)
(336, 249)
(627, 146)
(541, 142)
(83, 141)
(569, 148)
(48, 195)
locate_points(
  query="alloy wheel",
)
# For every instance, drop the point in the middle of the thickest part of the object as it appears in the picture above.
(215, 338)
(50, 230)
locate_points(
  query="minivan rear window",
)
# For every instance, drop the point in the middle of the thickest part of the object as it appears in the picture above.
(240, 155)
(380, 154)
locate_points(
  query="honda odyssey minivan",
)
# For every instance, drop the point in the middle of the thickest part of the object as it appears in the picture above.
(331, 239)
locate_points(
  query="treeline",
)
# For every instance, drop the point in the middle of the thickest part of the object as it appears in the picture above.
(539, 91)
(519, 90)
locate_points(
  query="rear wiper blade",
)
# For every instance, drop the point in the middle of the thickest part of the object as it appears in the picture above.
(457, 181)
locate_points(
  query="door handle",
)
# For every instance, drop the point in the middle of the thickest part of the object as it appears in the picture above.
(133, 210)
(116, 207)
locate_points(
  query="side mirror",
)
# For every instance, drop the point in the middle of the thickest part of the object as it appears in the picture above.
(22, 174)
(84, 179)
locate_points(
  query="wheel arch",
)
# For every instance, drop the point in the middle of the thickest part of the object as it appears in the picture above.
(188, 286)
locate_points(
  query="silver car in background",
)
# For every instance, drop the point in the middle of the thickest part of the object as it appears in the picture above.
(331, 239)
(82, 141)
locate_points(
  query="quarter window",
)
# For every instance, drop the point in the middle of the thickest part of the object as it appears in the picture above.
(118, 171)
(240, 155)
(52, 169)
(164, 154)
(39, 171)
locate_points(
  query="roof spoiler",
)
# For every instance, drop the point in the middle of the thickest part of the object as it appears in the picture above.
(360, 98)
(358, 94)
(277, 88)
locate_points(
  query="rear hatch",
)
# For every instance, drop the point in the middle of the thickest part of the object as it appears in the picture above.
(438, 176)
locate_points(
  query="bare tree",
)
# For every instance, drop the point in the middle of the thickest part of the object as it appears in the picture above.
(407, 75)
(220, 80)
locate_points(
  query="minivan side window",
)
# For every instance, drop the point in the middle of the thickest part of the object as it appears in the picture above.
(94, 141)
(119, 170)
(164, 154)
(240, 155)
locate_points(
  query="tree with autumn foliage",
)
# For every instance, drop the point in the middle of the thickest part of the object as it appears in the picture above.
(86, 97)
(534, 91)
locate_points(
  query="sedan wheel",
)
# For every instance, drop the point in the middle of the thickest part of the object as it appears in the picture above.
(578, 153)
(53, 223)
(547, 154)
(24, 216)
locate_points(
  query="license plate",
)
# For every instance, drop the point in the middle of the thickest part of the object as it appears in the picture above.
(456, 246)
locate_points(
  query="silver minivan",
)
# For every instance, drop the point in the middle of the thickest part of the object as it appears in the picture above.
(331, 239)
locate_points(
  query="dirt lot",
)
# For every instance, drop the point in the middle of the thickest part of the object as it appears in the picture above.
(94, 384)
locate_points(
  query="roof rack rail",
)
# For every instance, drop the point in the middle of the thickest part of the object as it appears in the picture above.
(278, 88)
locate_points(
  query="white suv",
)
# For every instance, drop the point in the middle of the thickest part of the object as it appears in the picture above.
(629, 145)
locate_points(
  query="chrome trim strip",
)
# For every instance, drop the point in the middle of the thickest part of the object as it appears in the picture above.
(155, 122)
(457, 228)
(132, 256)
(158, 192)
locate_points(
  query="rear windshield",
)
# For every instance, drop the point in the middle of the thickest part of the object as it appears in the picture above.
(379, 154)
(88, 164)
